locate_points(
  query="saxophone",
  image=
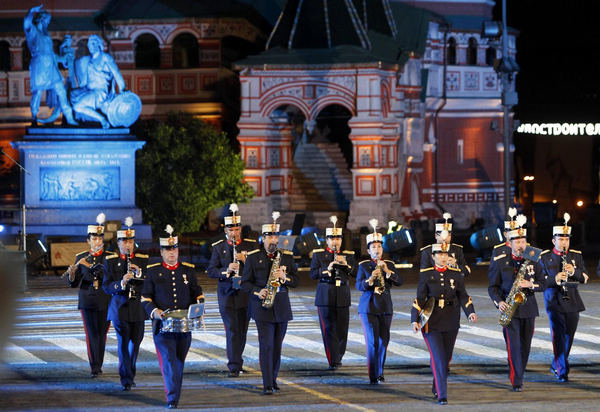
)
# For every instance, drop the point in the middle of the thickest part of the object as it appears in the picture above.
(515, 297)
(236, 278)
(379, 280)
(564, 290)
(272, 283)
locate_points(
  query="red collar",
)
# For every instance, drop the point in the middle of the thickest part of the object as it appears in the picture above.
(440, 269)
(98, 253)
(507, 243)
(375, 260)
(230, 243)
(124, 257)
(271, 255)
(175, 266)
(517, 258)
(330, 250)
(558, 252)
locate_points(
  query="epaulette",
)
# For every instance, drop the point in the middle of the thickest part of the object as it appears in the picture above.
(217, 242)
(250, 240)
(454, 269)
(456, 244)
(254, 251)
(154, 264)
(81, 253)
(350, 252)
(190, 265)
(426, 269)
(111, 257)
(366, 260)
(499, 257)
(425, 247)
(500, 245)
(575, 251)
(318, 250)
(544, 252)
(142, 255)
(288, 252)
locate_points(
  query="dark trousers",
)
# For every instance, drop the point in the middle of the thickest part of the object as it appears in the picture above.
(441, 346)
(172, 348)
(129, 338)
(334, 329)
(563, 327)
(236, 323)
(270, 340)
(377, 336)
(96, 327)
(518, 335)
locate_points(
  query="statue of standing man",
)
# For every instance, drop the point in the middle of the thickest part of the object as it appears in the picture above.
(43, 68)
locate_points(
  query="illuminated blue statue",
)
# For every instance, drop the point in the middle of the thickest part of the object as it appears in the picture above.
(96, 98)
(44, 66)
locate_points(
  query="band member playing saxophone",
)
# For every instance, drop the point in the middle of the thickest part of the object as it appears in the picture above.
(333, 269)
(375, 278)
(124, 275)
(227, 265)
(456, 257)
(564, 270)
(519, 332)
(443, 288)
(268, 273)
(87, 275)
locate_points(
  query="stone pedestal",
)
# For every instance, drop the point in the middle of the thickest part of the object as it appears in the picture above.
(74, 174)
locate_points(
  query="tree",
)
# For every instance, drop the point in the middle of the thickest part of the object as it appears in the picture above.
(186, 169)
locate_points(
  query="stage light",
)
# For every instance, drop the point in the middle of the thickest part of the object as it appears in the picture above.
(486, 238)
(554, 201)
(529, 178)
(579, 203)
(1, 228)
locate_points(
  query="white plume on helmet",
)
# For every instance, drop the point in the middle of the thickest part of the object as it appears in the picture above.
(374, 223)
(521, 220)
(446, 216)
(234, 208)
(275, 215)
(169, 229)
(101, 218)
(128, 221)
(567, 217)
(512, 212)
(333, 219)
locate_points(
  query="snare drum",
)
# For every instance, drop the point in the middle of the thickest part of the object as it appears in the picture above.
(177, 321)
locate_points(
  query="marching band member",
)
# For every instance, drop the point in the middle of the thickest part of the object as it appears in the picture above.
(375, 278)
(268, 273)
(519, 332)
(233, 302)
(563, 302)
(456, 257)
(445, 285)
(87, 274)
(333, 269)
(170, 285)
(123, 279)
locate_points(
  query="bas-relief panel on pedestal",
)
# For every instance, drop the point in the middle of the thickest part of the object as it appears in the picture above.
(64, 184)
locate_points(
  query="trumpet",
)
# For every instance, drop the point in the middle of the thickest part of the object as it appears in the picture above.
(236, 284)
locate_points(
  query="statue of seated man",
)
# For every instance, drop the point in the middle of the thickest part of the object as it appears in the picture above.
(43, 68)
(96, 75)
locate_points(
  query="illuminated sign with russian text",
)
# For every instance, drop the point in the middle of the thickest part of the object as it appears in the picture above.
(560, 129)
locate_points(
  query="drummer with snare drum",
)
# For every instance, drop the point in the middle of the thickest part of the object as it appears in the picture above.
(441, 293)
(170, 286)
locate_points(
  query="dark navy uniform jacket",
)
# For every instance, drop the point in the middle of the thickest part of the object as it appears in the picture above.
(328, 294)
(166, 288)
(552, 264)
(222, 256)
(448, 289)
(503, 277)
(371, 302)
(256, 274)
(89, 280)
(499, 249)
(455, 251)
(121, 307)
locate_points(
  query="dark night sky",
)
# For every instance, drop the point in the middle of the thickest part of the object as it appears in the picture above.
(558, 49)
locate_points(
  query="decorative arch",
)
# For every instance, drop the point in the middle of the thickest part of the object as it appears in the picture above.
(451, 51)
(186, 53)
(181, 30)
(147, 51)
(276, 102)
(5, 59)
(345, 101)
(472, 51)
(146, 30)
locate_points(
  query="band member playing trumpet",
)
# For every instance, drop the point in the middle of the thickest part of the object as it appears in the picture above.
(233, 302)
(564, 269)
(268, 273)
(456, 257)
(87, 275)
(333, 269)
(502, 275)
(170, 285)
(375, 278)
(445, 285)
(123, 278)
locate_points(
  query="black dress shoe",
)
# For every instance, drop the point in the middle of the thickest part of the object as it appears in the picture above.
(435, 395)
(172, 405)
(126, 388)
(517, 388)
(443, 401)
(233, 374)
(563, 378)
(338, 364)
(133, 384)
(244, 370)
(276, 388)
(381, 378)
(268, 390)
(332, 367)
(554, 372)
(374, 382)
(94, 375)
